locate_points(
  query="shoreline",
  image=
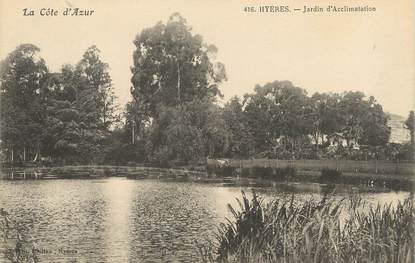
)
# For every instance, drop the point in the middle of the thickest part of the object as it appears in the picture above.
(390, 181)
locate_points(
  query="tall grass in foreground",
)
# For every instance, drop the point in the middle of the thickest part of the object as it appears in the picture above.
(314, 231)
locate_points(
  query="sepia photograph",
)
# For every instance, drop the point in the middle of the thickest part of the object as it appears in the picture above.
(269, 131)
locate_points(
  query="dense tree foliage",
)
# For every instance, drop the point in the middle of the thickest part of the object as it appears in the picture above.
(282, 117)
(172, 66)
(326, 116)
(175, 82)
(22, 75)
(240, 140)
(174, 117)
(65, 115)
(276, 111)
(98, 87)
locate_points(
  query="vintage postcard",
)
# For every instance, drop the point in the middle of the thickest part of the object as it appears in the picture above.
(207, 131)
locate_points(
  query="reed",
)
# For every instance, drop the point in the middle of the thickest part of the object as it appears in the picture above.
(315, 231)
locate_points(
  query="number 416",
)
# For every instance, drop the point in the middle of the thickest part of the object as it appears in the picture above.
(249, 9)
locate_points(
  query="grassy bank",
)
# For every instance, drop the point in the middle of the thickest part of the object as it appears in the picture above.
(346, 166)
(316, 173)
(283, 231)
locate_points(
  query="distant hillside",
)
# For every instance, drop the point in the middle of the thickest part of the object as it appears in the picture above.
(398, 133)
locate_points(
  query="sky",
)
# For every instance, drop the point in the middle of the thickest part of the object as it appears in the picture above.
(373, 52)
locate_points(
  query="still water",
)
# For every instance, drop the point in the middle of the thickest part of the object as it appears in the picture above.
(124, 220)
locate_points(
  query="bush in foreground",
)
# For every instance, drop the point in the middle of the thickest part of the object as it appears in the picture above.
(282, 231)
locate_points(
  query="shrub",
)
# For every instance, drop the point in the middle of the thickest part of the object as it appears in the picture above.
(222, 171)
(262, 172)
(330, 175)
(227, 171)
(210, 169)
(124, 153)
(246, 172)
(284, 173)
(269, 173)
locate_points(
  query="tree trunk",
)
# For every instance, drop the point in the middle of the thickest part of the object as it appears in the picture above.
(315, 138)
(211, 150)
(178, 81)
(104, 119)
(38, 149)
(133, 133)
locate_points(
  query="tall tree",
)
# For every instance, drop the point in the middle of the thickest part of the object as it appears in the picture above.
(326, 115)
(172, 66)
(276, 110)
(62, 130)
(241, 140)
(363, 119)
(97, 86)
(80, 110)
(410, 125)
(175, 82)
(352, 108)
(22, 74)
(260, 116)
(376, 132)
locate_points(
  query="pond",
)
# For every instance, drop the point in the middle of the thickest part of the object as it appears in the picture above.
(124, 220)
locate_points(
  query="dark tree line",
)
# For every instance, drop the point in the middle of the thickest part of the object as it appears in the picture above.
(66, 114)
(173, 117)
(176, 118)
(282, 121)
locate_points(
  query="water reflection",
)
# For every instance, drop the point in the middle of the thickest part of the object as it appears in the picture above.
(119, 196)
(121, 220)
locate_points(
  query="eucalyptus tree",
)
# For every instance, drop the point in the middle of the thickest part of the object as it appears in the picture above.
(22, 114)
(80, 107)
(95, 84)
(63, 127)
(173, 68)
